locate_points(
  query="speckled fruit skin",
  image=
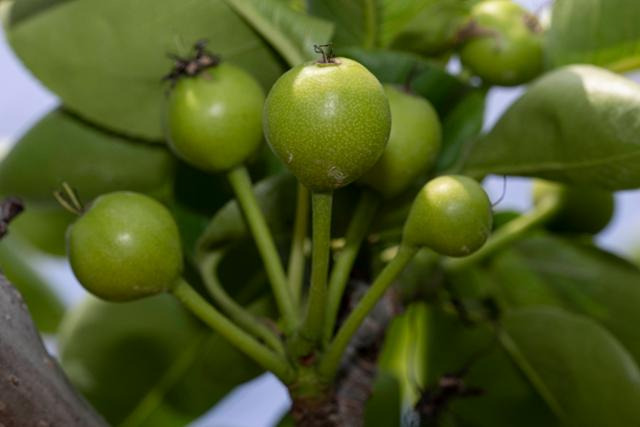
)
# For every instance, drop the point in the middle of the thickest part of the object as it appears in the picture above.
(583, 209)
(451, 215)
(413, 144)
(125, 247)
(328, 122)
(510, 57)
(215, 119)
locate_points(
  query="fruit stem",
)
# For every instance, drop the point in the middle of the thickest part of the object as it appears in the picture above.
(241, 184)
(344, 260)
(331, 360)
(312, 326)
(235, 311)
(507, 234)
(236, 336)
(296, 257)
(326, 50)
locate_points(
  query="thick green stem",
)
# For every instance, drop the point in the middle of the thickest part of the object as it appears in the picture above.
(331, 360)
(311, 329)
(236, 336)
(356, 232)
(241, 183)
(296, 257)
(235, 311)
(507, 234)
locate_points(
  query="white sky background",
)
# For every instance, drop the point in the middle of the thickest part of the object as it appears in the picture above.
(23, 101)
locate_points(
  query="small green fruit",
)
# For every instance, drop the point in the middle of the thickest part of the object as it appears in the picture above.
(328, 122)
(582, 209)
(215, 118)
(125, 247)
(507, 49)
(413, 144)
(451, 215)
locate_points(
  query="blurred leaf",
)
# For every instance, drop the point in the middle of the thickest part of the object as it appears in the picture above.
(576, 125)
(44, 227)
(106, 59)
(600, 32)
(290, 32)
(427, 79)
(574, 364)
(546, 270)
(383, 407)
(460, 129)
(17, 264)
(135, 360)
(507, 399)
(61, 148)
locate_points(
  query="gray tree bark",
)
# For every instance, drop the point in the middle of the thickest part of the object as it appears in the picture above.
(33, 389)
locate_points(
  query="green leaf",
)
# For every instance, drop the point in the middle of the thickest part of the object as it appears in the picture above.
(584, 279)
(61, 148)
(574, 364)
(600, 32)
(139, 360)
(577, 125)
(356, 22)
(383, 407)
(460, 129)
(44, 227)
(17, 264)
(106, 59)
(290, 32)
(471, 351)
(426, 78)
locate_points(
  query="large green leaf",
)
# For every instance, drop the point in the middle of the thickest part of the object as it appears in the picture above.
(291, 32)
(141, 360)
(574, 364)
(578, 125)
(62, 148)
(546, 270)
(106, 59)
(16, 263)
(600, 32)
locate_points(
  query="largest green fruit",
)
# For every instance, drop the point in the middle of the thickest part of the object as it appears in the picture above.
(328, 121)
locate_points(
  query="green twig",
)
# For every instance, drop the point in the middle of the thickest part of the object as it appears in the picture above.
(331, 361)
(507, 234)
(266, 358)
(235, 311)
(356, 232)
(241, 183)
(296, 257)
(311, 329)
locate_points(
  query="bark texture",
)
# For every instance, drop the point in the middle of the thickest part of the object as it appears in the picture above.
(33, 389)
(344, 405)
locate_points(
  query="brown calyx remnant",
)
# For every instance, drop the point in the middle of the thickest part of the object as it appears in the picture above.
(194, 65)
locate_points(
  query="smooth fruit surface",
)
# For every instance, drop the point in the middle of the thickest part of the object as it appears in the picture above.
(126, 246)
(328, 122)
(215, 119)
(507, 50)
(583, 209)
(451, 215)
(413, 144)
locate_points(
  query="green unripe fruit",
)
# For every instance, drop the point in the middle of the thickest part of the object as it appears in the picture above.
(125, 247)
(451, 215)
(215, 118)
(328, 122)
(507, 47)
(582, 209)
(413, 144)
